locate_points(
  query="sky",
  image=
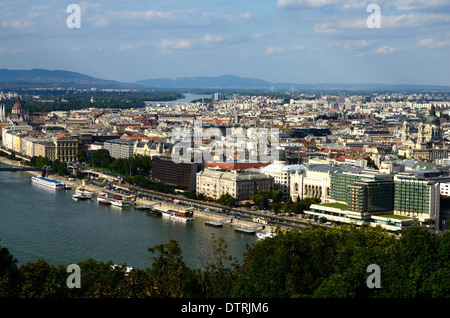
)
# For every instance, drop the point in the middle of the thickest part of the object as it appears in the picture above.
(296, 41)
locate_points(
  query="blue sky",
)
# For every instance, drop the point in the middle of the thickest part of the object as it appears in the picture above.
(300, 41)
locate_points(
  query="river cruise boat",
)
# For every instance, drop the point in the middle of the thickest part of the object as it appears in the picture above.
(113, 199)
(50, 183)
(84, 192)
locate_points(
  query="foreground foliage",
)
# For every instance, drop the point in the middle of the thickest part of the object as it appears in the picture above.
(310, 263)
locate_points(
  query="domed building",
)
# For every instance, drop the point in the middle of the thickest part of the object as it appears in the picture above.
(18, 114)
(429, 134)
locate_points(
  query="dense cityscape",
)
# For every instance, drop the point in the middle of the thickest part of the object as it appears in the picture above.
(226, 157)
(372, 159)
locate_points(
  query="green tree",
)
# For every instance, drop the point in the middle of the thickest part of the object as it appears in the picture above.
(101, 158)
(169, 272)
(37, 280)
(276, 195)
(82, 155)
(217, 272)
(261, 199)
(9, 275)
(62, 168)
(227, 199)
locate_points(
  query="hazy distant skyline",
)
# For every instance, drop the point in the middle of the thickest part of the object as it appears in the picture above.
(299, 41)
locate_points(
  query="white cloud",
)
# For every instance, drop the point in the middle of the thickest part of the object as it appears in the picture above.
(128, 47)
(420, 4)
(273, 49)
(325, 28)
(175, 44)
(431, 43)
(303, 4)
(212, 38)
(15, 50)
(386, 50)
(299, 47)
(16, 25)
(351, 44)
(146, 15)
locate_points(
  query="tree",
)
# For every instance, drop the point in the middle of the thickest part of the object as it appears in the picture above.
(37, 280)
(62, 168)
(227, 199)
(217, 272)
(82, 155)
(9, 276)
(168, 272)
(276, 195)
(101, 158)
(261, 199)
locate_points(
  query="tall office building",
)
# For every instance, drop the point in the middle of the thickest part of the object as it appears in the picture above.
(179, 175)
(417, 195)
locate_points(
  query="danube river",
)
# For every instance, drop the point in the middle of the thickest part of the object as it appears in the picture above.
(38, 222)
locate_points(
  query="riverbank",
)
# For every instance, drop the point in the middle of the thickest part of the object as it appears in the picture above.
(207, 216)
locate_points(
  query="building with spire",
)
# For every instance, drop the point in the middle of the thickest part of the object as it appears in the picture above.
(2, 114)
(427, 146)
(18, 115)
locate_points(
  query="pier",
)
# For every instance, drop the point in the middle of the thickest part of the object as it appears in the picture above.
(249, 229)
(219, 223)
(18, 168)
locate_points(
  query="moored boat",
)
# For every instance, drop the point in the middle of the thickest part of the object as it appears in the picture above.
(182, 215)
(85, 192)
(50, 183)
(153, 213)
(78, 197)
(113, 199)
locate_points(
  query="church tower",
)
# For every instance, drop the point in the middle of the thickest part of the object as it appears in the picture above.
(2, 113)
(433, 130)
(405, 130)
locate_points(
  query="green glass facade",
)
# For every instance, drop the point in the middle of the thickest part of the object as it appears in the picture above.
(363, 192)
(371, 196)
(412, 196)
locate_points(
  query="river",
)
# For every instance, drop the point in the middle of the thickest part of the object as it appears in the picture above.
(38, 222)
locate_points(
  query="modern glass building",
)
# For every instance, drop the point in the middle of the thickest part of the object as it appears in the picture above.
(417, 194)
(370, 196)
(363, 192)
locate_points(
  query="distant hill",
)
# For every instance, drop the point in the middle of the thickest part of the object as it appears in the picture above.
(218, 82)
(236, 82)
(48, 78)
(28, 78)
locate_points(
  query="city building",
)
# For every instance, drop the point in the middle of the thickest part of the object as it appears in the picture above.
(45, 149)
(18, 115)
(240, 185)
(427, 146)
(120, 148)
(281, 172)
(179, 175)
(66, 149)
(417, 194)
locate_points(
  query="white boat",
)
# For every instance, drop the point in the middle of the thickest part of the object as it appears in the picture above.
(114, 199)
(78, 197)
(262, 235)
(50, 183)
(85, 192)
(182, 215)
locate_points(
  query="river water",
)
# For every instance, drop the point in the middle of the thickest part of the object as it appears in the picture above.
(38, 222)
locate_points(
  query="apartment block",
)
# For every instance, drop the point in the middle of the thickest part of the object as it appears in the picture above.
(120, 148)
